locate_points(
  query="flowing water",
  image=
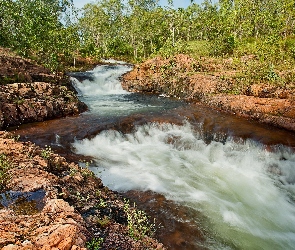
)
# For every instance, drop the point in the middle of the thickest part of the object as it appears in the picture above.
(212, 180)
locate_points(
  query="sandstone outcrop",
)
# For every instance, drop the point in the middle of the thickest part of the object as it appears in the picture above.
(214, 85)
(30, 93)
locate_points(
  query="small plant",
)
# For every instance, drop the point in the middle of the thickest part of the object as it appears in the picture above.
(4, 167)
(46, 153)
(94, 244)
(271, 75)
(73, 171)
(103, 222)
(14, 137)
(87, 173)
(102, 203)
(139, 225)
(19, 101)
(97, 193)
(80, 198)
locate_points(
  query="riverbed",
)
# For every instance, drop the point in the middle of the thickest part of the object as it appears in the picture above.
(211, 180)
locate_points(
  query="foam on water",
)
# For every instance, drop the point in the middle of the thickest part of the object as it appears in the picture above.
(244, 191)
(104, 95)
(103, 92)
(105, 81)
(113, 61)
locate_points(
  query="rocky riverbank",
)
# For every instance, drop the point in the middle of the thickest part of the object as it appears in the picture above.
(30, 92)
(45, 201)
(217, 85)
(48, 203)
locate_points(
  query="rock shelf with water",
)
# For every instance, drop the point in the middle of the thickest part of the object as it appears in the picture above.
(31, 93)
(206, 175)
(212, 179)
(55, 204)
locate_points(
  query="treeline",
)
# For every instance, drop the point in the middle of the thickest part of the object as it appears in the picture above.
(140, 28)
(41, 29)
(137, 29)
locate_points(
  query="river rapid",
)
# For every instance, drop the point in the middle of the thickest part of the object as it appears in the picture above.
(211, 180)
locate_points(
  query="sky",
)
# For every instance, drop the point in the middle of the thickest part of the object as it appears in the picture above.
(177, 3)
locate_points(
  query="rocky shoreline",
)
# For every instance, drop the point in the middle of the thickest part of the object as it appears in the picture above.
(214, 85)
(30, 93)
(46, 202)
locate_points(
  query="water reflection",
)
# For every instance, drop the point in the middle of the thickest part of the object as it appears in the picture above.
(25, 203)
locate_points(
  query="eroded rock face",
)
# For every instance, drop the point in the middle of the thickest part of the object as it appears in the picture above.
(213, 84)
(30, 102)
(57, 225)
(30, 93)
(273, 111)
(48, 203)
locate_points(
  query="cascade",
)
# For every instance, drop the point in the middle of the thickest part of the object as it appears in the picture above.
(237, 186)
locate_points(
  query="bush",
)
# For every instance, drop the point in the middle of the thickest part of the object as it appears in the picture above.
(4, 167)
(223, 45)
(169, 49)
(198, 48)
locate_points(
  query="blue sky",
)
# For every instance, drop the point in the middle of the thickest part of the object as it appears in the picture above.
(177, 3)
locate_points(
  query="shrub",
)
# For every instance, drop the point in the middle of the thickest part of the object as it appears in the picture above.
(138, 222)
(5, 165)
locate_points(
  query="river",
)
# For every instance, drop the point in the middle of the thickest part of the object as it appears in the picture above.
(211, 180)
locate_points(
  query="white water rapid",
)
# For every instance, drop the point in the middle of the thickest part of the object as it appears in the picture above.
(244, 191)
(104, 93)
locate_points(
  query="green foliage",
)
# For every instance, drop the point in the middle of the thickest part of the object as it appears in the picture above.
(39, 29)
(137, 29)
(46, 153)
(133, 30)
(222, 45)
(169, 49)
(139, 225)
(19, 101)
(271, 75)
(288, 45)
(198, 48)
(73, 171)
(261, 71)
(94, 244)
(5, 165)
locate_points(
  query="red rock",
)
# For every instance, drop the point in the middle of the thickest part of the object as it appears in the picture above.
(186, 78)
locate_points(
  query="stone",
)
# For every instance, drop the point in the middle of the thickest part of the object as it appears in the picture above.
(212, 83)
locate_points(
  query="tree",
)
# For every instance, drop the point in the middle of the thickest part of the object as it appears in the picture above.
(35, 28)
